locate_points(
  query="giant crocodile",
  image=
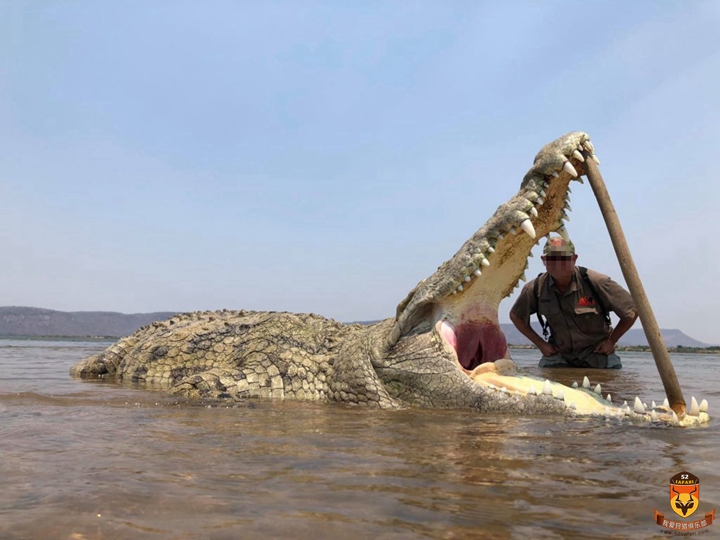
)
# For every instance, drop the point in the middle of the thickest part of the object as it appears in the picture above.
(443, 348)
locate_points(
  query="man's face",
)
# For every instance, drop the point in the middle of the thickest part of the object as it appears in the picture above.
(559, 264)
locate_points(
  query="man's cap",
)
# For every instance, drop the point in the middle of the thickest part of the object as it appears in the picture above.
(557, 245)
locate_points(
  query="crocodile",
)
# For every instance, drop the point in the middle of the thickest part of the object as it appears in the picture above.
(444, 348)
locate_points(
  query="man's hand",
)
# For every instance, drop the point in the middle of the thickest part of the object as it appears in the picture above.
(607, 346)
(548, 349)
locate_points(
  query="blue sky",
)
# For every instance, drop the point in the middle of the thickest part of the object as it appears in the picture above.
(326, 156)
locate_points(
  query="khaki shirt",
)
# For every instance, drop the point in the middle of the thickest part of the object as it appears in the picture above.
(575, 319)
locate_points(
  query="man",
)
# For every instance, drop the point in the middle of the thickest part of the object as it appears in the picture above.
(575, 307)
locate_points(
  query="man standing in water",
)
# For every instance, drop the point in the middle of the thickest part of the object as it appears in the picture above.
(574, 301)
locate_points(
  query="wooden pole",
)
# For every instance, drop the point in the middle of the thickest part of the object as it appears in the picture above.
(647, 318)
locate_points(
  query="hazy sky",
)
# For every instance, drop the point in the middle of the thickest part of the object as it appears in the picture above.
(326, 156)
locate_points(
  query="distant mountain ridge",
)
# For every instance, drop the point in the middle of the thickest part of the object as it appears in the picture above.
(30, 321)
(633, 338)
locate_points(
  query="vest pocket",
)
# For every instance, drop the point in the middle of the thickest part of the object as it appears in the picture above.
(590, 321)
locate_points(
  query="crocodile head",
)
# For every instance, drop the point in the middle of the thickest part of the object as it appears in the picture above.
(448, 324)
(459, 302)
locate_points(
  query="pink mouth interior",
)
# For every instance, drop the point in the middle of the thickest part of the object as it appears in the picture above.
(475, 343)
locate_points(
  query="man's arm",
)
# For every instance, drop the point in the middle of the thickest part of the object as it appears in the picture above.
(618, 300)
(607, 346)
(547, 349)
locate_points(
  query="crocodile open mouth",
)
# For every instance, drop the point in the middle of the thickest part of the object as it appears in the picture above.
(467, 289)
(463, 295)
(475, 342)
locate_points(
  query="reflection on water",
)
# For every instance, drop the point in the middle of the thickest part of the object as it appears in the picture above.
(98, 460)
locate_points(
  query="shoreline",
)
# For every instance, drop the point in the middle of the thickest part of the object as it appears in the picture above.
(715, 349)
(11, 337)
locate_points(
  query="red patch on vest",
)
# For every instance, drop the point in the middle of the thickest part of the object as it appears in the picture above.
(586, 301)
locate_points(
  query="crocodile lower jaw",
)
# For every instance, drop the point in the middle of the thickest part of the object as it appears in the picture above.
(503, 376)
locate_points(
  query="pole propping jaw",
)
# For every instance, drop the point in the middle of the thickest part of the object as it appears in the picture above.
(632, 278)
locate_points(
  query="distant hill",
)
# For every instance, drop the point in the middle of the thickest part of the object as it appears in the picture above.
(29, 321)
(634, 337)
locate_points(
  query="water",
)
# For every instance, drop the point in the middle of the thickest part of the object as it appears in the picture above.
(98, 460)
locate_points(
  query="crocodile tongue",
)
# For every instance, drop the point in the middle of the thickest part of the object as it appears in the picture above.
(476, 342)
(479, 343)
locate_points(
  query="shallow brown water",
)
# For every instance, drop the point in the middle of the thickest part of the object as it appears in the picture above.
(97, 460)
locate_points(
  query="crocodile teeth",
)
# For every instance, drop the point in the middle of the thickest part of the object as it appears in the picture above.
(533, 212)
(589, 146)
(565, 217)
(547, 388)
(577, 155)
(491, 249)
(694, 407)
(523, 277)
(675, 418)
(574, 384)
(467, 279)
(513, 231)
(533, 391)
(666, 403)
(595, 159)
(653, 404)
(500, 236)
(586, 382)
(527, 226)
(609, 398)
(638, 407)
(542, 193)
(572, 406)
(580, 179)
(477, 272)
(704, 405)
(529, 255)
(653, 416)
(567, 207)
(560, 395)
(568, 168)
(503, 390)
(485, 262)
(598, 390)
(460, 287)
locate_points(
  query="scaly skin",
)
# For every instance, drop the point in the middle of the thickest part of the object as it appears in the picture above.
(444, 347)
